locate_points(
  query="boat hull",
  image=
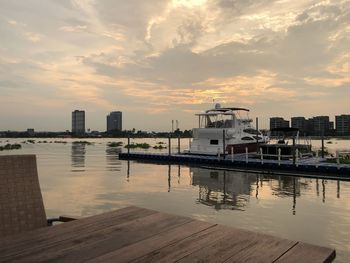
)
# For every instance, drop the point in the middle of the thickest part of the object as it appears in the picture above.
(241, 148)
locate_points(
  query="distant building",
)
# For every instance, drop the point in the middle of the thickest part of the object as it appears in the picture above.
(342, 124)
(320, 125)
(300, 123)
(114, 121)
(78, 122)
(278, 122)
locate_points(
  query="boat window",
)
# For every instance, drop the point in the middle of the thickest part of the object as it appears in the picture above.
(257, 137)
(251, 131)
(215, 142)
(218, 121)
(247, 139)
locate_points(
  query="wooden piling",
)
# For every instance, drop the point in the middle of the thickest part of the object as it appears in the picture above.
(322, 143)
(223, 144)
(128, 145)
(169, 145)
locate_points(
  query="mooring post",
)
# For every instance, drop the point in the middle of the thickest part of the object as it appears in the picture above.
(246, 154)
(316, 158)
(128, 145)
(257, 132)
(178, 144)
(279, 156)
(337, 158)
(293, 151)
(296, 157)
(322, 142)
(232, 153)
(169, 145)
(223, 144)
(261, 156)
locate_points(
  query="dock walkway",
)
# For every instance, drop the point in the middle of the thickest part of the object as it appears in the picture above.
(311, 167)
(142, 235)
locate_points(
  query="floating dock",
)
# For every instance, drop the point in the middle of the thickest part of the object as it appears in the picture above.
(308, 167)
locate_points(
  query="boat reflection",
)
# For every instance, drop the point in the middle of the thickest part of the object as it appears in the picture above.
(78, 157)
(223, 189)
(232, 190)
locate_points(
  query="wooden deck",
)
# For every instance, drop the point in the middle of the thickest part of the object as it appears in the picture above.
(142, 235)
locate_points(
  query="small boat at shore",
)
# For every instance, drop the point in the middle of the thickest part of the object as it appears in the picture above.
(225, 130)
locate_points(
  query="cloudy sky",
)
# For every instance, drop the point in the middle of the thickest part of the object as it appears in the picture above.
(158, 60)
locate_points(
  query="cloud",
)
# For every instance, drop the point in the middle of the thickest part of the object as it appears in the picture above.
(33, 37)
(172, 56)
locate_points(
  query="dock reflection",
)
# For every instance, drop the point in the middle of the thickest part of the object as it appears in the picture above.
(232, 190)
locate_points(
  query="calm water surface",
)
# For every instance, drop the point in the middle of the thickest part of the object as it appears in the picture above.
(85, 180)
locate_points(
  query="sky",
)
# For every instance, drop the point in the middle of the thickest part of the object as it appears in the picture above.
(163, 60)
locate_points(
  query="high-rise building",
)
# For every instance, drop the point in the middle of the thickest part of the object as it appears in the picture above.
(300, 123)
(114, 121)
(342, 124)
(278, 122)
(320, 125)
(78, 122)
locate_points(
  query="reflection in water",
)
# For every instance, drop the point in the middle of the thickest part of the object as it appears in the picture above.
(221, 189)
(169, 178)
(78, 157)
(128, 171)
(231, 190)
(113, 162)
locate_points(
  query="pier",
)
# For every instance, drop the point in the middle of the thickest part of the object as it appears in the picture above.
(143, 235)
(308, 167)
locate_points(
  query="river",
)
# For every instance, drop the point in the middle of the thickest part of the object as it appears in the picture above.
(88, 179)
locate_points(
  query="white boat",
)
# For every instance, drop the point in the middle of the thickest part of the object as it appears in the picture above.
(225, 128)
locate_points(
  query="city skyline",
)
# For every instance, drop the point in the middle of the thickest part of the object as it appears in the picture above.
(161, 60)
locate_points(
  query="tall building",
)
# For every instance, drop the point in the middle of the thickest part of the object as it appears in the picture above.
(300, 123)
(114, 121)
(278, 122)
(320, 125)
(78, 122)
(342, 124)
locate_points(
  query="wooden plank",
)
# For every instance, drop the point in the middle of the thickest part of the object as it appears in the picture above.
(139, 249)
(308, 253)
(52, 236)
(142, 235)
(241, 245)
(179, 250)
(93, 244)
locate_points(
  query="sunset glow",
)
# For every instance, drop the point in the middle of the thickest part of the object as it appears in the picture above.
(170, 58)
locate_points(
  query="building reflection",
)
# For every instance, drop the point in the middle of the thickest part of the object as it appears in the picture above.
(112, 159)
(78, 157)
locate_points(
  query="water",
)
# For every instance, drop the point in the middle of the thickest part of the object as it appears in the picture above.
(84, 180)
